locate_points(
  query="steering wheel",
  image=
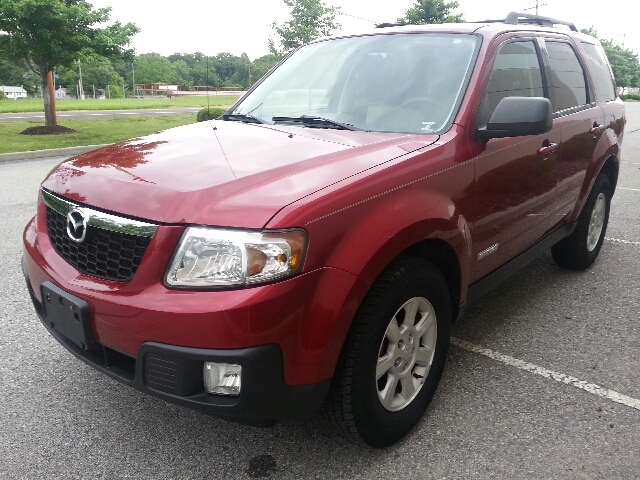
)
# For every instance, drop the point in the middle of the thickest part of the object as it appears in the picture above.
(422, 104)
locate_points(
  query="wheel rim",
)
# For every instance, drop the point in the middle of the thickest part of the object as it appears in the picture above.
(406, 353)
(597, 222)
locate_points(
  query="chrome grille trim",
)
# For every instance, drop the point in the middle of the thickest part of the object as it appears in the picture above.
(104, 221)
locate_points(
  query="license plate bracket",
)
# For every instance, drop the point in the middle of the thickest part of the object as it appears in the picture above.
(67, 314)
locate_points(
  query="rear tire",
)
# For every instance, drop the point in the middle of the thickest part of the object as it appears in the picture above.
(394, 354)
(580, 249)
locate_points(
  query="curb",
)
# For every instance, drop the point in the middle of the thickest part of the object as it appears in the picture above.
(53, 152)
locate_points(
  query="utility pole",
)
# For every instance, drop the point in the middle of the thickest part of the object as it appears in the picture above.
(133, 80)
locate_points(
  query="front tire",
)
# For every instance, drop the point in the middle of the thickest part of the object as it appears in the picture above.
(394, 354)
(580, 249)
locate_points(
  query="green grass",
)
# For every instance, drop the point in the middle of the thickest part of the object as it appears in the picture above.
(92, 131)
(36, 104)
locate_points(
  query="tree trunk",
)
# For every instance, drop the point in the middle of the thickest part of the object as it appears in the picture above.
(49, 100)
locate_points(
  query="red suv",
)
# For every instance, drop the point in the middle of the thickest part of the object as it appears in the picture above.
(314, 244)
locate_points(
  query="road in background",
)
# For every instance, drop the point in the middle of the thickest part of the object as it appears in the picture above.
(489, 419)
(33, 116)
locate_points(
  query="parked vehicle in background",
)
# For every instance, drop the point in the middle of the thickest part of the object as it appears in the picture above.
(314, 245)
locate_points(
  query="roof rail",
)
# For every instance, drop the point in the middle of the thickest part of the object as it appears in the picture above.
(515, 18)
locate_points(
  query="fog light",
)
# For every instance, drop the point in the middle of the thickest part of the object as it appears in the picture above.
(222, 378)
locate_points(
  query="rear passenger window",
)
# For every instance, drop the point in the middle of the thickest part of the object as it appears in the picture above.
(600, 72)
(515, 73)
(568, 82)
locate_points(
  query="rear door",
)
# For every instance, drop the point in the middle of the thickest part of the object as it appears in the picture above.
(577, 116)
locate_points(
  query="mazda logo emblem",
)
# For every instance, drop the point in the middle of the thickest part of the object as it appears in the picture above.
(77, 225)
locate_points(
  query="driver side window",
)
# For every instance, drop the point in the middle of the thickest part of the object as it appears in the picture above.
(515, 73)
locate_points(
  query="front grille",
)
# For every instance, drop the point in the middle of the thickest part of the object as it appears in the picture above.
(103, 253)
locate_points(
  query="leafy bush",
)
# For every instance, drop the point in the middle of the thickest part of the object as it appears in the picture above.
(115, 91)
(1, 95)
(631, 96)
(209, 114)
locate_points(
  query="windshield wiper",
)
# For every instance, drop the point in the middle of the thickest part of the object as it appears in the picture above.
(319, 122)
(241, 117)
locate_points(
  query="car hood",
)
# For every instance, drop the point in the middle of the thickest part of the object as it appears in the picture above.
(222, 173)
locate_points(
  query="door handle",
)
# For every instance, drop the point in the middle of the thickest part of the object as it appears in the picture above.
(596, 129)
(547, 148)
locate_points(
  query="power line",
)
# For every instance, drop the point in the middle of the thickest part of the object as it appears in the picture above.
(538, 5)
(359, 18)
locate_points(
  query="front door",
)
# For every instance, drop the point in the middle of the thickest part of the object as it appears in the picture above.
(515, 183)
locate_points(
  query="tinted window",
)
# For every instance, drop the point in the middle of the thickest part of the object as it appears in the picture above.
(569, 88)
(600, 72)
(515, 73)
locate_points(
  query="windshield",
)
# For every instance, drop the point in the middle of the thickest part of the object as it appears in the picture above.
(408, 83)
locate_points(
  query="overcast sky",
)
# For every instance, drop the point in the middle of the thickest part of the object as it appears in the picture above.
(218, 26)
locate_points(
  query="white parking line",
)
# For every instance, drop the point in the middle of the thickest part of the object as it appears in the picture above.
(632, 189)
(619, 240)
(97, 114)
(558, 377)
(128, 113)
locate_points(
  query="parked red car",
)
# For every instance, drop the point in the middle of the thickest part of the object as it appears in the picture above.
(314, 245)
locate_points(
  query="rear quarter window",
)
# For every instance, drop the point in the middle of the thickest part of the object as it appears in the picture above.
(600, 72)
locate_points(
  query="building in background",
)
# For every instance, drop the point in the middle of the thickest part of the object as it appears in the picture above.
(13, 92)
(61, 93)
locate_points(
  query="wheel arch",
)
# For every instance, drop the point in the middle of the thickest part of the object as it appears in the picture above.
(611, 168)
(444, 257)
(446, 246)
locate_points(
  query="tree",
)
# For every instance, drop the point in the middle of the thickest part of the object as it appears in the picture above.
(431, 11)
(50, 33)
(16, 73)
(624, 62)
(262, 65)
(99, 73)
(153, 68)
(310, 19)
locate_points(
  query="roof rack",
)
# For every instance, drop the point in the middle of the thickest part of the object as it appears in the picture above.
(385, 25)
(515, 18)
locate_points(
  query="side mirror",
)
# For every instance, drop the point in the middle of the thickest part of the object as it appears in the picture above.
(518, 116)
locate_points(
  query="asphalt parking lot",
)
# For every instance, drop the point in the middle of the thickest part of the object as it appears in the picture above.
(542, 381)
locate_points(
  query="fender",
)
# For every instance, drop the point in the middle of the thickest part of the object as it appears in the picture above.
(397, 223)
(373, 240)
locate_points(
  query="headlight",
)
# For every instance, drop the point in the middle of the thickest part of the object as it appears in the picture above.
(214, 257)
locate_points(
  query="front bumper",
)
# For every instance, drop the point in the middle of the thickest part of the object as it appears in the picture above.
(264, 399)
